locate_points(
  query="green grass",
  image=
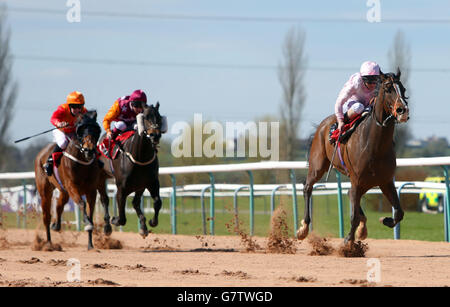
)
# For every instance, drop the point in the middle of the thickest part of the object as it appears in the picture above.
(415, 225)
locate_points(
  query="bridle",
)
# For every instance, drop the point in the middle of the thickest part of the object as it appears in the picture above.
(388, 108)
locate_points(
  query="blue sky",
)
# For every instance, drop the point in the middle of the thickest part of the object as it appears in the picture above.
(224, 94)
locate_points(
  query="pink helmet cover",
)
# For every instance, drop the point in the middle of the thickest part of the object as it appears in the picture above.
(370, 68)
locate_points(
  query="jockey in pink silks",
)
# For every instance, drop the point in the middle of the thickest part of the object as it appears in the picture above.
(357, 92)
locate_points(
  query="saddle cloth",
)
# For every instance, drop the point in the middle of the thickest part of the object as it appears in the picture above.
(347, 129)
(109, 148)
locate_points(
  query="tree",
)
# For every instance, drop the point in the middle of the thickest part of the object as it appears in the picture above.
(8, 88)
(399, 57)
(291, 73)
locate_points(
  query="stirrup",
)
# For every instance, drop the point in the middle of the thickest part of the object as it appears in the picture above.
(48, 167)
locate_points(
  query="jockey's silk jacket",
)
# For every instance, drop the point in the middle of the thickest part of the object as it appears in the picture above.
(63, 114)
(353, 90)
(120, 111)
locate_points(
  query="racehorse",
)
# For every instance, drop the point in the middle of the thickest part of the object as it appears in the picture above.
(368, 157)
(74, 177)
(135, 169)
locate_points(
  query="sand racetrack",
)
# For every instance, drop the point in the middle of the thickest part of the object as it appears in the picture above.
(196, 261)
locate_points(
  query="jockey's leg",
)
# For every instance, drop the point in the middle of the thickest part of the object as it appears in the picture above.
(61, 141)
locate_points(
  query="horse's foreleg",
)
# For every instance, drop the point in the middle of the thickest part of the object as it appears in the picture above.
(391, 194)
(46, 203)
(355, 198)
(62, 200)
(121, 202)
(107, 229)
(90, 198)
(143, 231)
(154, 191)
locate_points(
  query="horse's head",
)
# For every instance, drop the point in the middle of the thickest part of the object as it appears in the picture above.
(152, 123)
(88, 132)
(395, 104)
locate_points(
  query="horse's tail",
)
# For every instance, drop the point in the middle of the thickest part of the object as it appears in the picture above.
(308, 147)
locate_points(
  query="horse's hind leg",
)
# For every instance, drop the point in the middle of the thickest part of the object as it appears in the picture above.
(154, 191)
(143, 231)
(391, 194)
(46, 204)
(361, 231)
(354, 194)
(62, 200)
(318, 166)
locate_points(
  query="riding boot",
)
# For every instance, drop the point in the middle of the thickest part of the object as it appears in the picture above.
(48, 166)
(114, 133)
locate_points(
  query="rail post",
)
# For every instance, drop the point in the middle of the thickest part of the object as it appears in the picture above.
(173, 205)
(447, 205)
(212, 209)
(340, 208)
(202, 203)
(397, 227)
(272, 198)
(294, 198)
(24, 220)
(235, 205)
(252, 203)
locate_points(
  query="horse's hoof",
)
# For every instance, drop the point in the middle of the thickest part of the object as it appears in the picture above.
(153, 223)
(302, 233)
(55, 227)
(349, 241)
(107, 229)
(387, 221)
(117, 222)
(143, 233)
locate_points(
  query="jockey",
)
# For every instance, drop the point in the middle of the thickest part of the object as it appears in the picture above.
(123, 112)
(64, 119)
(357, 92)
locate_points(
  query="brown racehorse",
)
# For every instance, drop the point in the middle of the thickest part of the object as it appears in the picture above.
(368, 155)
(78, 173)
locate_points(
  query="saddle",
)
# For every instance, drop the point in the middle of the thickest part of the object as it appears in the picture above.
(110, 148)
(347, 129)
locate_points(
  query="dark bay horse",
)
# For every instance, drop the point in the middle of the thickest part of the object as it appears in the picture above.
(368, 155)
(135, 169)
(78, 172)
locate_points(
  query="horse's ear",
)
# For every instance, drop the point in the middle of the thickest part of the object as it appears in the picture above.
(399, 73)
(382, 76)
(157, 106)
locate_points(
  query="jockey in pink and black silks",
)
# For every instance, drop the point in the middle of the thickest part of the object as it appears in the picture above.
(123, 112)
(357, 92)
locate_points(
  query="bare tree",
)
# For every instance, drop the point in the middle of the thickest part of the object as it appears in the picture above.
(399, 57)
(291, 73)
(8, 88)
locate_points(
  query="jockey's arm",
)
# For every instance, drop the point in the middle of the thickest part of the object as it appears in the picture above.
(58, 118)
(346, 92)
(112, 114)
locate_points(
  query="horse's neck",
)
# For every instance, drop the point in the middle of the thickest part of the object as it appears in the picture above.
(141, 146)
